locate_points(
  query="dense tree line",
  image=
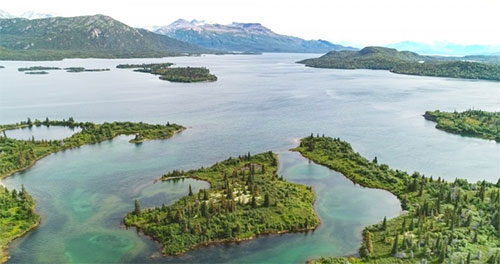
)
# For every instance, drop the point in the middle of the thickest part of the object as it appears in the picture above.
(405, 62)
(17, 216)
(177, 74)
(474, 123)
(246, 198)
(445, 221)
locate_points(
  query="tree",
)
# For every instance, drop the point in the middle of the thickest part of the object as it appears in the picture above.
(395, 246)
(190, 190)
(137, 209)
(254, 202)
(384, 223)
(205, 194)
(267, 201)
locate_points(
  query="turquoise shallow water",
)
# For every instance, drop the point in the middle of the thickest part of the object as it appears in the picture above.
(260, 103)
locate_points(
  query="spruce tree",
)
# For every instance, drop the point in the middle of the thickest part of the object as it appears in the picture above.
(395, 246)
(137, 209)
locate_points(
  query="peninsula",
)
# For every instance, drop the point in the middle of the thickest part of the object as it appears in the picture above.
(406, 62)
(17, 210)
(472, 123)
(246, 198)
(443, 221)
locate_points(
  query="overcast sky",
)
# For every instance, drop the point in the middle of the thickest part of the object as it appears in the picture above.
(362, 22)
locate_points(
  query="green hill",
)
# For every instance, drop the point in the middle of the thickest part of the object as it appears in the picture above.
(406, 62)
(82, 37)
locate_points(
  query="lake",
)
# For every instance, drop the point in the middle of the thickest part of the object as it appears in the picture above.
(259, 103)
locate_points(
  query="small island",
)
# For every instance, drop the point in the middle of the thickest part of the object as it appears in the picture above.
(246, 198)
(472, 123)
(38, 68)
(173, 74)
(82, 69)
(406, 62)
(17, 210)
(36, 72)
(442, 221)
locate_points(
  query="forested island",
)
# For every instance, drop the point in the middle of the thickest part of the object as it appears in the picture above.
(17, 210)
(472, 123)
(44, 69)
(177, 74)
(443, 221)
(406, 62)
(246, 198)
(17, 216)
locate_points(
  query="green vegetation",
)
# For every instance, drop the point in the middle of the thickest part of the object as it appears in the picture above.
(406, 62)
(21, 154)
(178, 74)
(144, 66)
(38, 68)
(95, 36)
(473, 123)
(82, 69)
(17, 216)
(17, 213)
(36, 72)
(245, 199)
(458, 222)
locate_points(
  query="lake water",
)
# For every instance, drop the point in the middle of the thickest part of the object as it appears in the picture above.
(42, 132)
(259, 103)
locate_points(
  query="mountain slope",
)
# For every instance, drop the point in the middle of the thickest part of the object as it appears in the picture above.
(406, 62)
(244, 37)
(84, 36)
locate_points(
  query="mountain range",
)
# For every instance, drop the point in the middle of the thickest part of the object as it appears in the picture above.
(27, 15)
(242, 37)
(95, 36)
(446, 48)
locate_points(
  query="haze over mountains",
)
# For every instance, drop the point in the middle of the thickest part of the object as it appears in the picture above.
(446, 48)
(243, 37)
(27, 15)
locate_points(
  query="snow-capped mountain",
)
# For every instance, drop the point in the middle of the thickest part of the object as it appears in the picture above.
(27, 15)
(246, 37)
(35, 15)
(5, 14)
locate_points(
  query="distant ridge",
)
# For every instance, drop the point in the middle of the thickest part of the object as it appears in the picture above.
(96, 36)
(407, 62)
(446, 48)
(243, 37)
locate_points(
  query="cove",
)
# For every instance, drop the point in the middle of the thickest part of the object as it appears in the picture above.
(259, 103)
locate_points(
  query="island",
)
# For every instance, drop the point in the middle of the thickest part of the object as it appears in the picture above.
(37, 68)
(406, 62)
(246, 198)
(82, 69)
(173, 74)
(36, 72)
(17, 210)
(442, 221)
(472, 123)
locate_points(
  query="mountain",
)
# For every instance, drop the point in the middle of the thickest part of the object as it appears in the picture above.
(5, 14)
(34, 15)
(407, 62)
(446, 48)
(242, 37)
(96, 36)
(27, 15)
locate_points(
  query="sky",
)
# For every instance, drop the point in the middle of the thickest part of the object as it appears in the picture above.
(356, 22)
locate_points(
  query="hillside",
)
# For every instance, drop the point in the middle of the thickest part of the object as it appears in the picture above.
(406, 62)
(85, 36)
(243, 37)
